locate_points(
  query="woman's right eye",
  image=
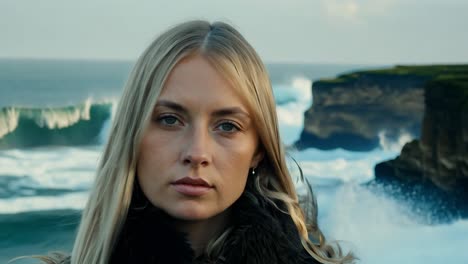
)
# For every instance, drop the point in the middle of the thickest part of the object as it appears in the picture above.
(168, 120)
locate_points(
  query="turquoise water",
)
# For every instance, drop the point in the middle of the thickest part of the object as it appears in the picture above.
(54, 116)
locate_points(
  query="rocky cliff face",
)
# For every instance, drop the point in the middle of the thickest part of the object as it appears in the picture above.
(430, 102)
(438, 161)
(440, 157)
(444, 137)
(351, 111)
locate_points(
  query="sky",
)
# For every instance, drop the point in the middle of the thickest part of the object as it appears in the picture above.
(282, 31)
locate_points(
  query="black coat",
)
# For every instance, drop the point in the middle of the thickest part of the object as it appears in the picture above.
(261, 234)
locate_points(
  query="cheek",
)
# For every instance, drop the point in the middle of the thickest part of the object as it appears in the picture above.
(156, 148)
(241, 153)
(231, 188)
(155, 156)
(234, 172)
(153, 168)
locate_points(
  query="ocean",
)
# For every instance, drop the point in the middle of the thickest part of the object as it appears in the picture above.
(55, 116)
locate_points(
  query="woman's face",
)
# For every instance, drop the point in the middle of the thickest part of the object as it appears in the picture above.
(196, 153)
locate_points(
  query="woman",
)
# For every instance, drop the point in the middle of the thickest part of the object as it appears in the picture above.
(193, 170)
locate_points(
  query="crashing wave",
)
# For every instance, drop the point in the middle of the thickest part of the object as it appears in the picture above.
(71, 125)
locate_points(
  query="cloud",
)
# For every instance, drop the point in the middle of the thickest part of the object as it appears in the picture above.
(342, 9)
(355, 10)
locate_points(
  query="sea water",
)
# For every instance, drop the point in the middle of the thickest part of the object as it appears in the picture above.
(44, 185)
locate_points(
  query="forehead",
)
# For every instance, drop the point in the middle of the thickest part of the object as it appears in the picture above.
(194, 81)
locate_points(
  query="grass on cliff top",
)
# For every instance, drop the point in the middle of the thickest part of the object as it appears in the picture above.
(439, 72)
(456, 83)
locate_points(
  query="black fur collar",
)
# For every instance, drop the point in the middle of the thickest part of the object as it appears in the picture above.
(261, 234)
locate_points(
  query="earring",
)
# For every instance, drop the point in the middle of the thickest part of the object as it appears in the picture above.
(253, 171)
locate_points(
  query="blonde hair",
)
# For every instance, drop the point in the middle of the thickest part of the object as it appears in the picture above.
(232, 55)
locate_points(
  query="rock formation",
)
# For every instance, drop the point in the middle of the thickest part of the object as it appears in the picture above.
(439, 159)
(430, 102)
(352, 110)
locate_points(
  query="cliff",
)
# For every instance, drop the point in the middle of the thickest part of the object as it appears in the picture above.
(438, 161)
(353, 111)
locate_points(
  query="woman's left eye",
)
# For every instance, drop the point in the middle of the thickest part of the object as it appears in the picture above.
(228, 127)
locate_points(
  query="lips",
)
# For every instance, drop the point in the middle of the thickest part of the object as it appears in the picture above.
(192, 181)
(191, 186)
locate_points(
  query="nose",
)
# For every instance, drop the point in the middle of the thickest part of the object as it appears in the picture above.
(196, 148)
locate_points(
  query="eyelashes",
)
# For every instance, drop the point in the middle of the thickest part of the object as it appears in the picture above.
(229, 126)
(172, 121)
(168, 120)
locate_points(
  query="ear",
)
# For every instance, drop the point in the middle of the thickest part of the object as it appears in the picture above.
(258, 156)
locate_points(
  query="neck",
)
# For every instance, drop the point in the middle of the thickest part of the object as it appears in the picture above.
(200, 232)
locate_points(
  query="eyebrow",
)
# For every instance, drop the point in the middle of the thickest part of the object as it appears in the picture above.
(219, 112)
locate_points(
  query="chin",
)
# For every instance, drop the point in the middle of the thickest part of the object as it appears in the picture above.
(191, 213)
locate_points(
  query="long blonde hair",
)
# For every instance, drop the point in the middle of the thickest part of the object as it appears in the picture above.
(233, 56)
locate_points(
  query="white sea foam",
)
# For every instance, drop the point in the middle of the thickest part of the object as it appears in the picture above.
(380, 230)
(74, 200)
(58, 167)
(303, 88)
(390, 144)
(298, 95)
(340, 166)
